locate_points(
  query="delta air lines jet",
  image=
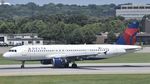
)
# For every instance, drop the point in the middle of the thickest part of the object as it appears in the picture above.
(61, 56)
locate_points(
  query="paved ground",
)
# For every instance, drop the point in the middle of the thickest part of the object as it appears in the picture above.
(144, 50)
(105, 68)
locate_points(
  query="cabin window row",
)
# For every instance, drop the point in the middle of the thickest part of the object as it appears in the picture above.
(63, 50)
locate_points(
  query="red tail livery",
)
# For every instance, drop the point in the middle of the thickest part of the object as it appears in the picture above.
(129, 35)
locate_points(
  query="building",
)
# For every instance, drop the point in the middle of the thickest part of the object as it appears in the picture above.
(21, 39)
(144, 37)
(2, 2)
(147, 25)
(130, 11)
(101, 38)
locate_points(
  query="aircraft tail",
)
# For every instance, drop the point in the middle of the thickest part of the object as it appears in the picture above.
(129, 35)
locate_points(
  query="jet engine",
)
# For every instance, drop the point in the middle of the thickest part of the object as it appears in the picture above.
(46, 62)
(60, 63)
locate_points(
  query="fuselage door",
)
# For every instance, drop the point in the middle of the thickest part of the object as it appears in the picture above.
(25, 54)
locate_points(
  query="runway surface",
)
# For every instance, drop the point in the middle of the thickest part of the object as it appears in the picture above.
(103, 68)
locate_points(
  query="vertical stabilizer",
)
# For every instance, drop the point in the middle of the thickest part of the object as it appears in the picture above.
(129, 35)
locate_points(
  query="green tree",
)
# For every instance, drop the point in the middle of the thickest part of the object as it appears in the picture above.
(77, 36)
(111, 37)
(95, 27)
(88, 35)
(7, 27)
(68, 31)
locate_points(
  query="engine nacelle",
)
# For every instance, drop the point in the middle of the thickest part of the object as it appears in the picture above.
(46, 62)
(59, 62)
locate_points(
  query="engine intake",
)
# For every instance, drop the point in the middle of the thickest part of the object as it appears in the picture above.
(46, 62)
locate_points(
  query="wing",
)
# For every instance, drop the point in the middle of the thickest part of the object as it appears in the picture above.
(74, 55)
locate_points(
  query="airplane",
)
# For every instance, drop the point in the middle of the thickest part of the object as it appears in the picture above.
(60, 56)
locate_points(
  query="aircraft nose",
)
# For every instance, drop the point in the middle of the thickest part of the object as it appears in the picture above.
(6, 55)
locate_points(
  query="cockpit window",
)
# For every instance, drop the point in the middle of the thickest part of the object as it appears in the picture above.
(12, 50)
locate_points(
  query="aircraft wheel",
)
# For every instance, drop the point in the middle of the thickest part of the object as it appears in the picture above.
(66, 65)
(74, 65)
(22, 66)
(23, 62)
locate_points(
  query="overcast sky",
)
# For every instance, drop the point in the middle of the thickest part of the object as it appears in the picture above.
(79, 2)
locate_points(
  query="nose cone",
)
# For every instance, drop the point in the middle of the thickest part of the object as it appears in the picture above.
(6, 55)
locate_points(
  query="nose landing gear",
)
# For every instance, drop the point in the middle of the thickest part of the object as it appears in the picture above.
(23, 62)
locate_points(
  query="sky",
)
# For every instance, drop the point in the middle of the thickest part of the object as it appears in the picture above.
(79, 2)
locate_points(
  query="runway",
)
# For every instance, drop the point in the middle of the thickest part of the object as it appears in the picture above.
(103, 68)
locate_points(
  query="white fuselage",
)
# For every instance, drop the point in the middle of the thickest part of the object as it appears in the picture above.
(43, 52)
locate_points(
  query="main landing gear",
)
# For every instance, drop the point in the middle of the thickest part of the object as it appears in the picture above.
(74, 65)
(66, 65)
(23, 62)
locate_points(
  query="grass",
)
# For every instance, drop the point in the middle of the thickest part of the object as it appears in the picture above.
(128, 58)
(77, 79)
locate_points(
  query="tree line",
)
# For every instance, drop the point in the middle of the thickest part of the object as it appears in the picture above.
(65, 29)
(69, 24)
(32, 9)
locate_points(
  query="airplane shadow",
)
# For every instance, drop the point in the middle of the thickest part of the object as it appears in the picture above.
(80, 67)
(99, 67)
(11, 68)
